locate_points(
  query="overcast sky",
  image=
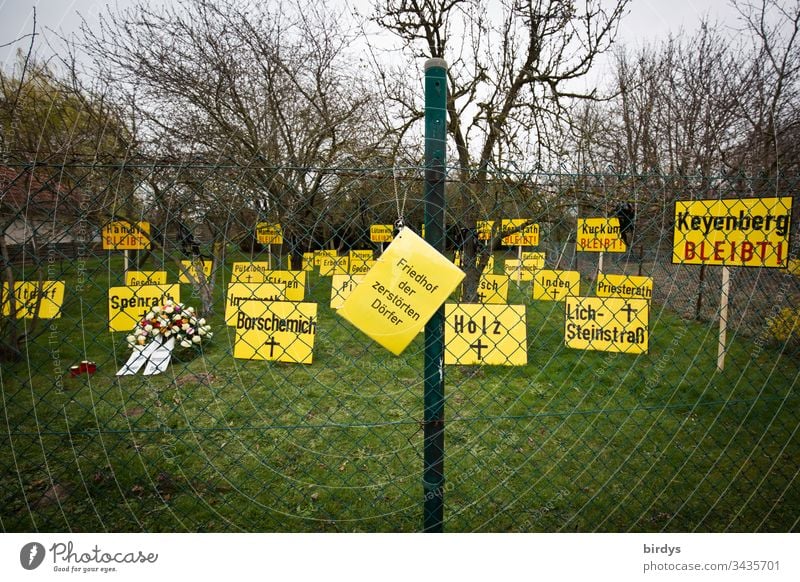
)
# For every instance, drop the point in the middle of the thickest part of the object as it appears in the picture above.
(648, 20)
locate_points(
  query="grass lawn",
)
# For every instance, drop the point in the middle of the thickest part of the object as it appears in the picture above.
(572, 441)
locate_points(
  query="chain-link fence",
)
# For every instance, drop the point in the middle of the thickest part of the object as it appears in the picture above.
(584, 391)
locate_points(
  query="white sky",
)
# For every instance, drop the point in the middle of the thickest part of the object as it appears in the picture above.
(647, 21)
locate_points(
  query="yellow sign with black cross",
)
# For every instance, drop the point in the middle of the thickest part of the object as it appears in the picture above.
(333, 265)
(341, 287)
(607, 324)
(136, 278)
(401, 291)
(277, 331)
(127, 305)
(631, 286)
(551, 285)
(190, 268)
(239, 293)
(493, 289)
(485, 334)
(48, 294)
(737, 232)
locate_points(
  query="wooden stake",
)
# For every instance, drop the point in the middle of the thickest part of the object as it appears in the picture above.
(723, 317)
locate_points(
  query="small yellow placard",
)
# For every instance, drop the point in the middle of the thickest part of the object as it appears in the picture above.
(269, 234)
(329, 266)
(324, 253)
(294, 283)
(127, 305)
(120, 235)
(308, 262)
(493, 289)
(631, 286)
(251, 272)
(279, 331)
(488, 268)
(239, 293)
(526, 237)
(191, 268)
(485, 334)
(549, 285)
(745, 232)
(136, 278)
(599, 235)
(359, 267)
(523, 270)
(484, 229)
(49, 294)
(794, 266)
(341, 287)
(607, 324)
(401, 291)
(361, 255)
(381, 233)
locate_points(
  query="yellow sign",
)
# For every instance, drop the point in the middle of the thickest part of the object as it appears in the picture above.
(269, 234)
(400, 293)
(794, 266)
(136, 278)
(362, 255)
(121, 235)
(308, 261)
(329, 266)
(360, 267)
(493, 289)
(252, 272)
(239, 293)
(191, 268)
(599, 235)
(488, 268)
(381, 233)
(484, 229)
(629, 286)
(745, 232)
(341, 287)
(127, 305)
(607, 324)
(278, 331)
(485, 334)
(49, 295)
(523, 270)
(326, 253)
(525, 237)
(556, 285)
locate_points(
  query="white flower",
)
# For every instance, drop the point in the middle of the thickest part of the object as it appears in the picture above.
(185, 327)
(169, 309)
(150, 315)
(140, 341)
(201, 321)
(186, 344)
(209, 334)
(190, 309)
(175, 329)
(156, 309)
(196, 339)
(131, 339)
(167, 333)
(148, 328)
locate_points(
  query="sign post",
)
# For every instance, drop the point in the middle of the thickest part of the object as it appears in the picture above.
(433, 421)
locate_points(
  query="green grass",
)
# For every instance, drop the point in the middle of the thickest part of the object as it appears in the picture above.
(573, 441)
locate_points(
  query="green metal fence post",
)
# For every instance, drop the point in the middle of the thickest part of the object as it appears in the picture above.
(435, 138)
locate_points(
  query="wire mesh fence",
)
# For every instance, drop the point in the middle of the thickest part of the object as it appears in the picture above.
(289, 418)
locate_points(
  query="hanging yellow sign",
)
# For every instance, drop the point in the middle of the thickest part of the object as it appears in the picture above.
(121, 235)
(308, 261)
(599, 235)
(493, 289)
(607, 324)
(744, 232)
(269, 233)
(485, 334)
(630, 286)
(341, 287)
(381, 233)
(550, 285)
(48, 294)
(400, 293)
(239, 293)
(191, 268)
(329, 266)
(277, 331)
(527, 236)
(136, 278)
(127, 305)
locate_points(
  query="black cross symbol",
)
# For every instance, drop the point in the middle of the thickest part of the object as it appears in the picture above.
(481, 297)
(479, 346)
(271, 343)
(248, 278)
(555, 293)
(629, 310)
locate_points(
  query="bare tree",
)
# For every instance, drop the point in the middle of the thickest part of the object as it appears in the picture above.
(512, 69)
